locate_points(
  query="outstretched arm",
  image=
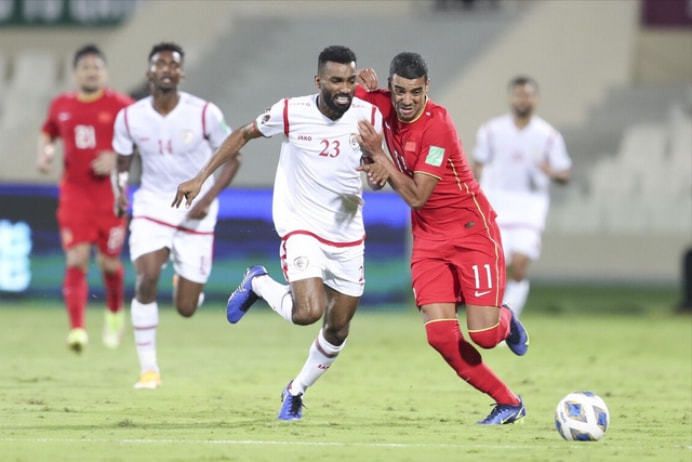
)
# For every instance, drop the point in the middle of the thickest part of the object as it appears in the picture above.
(228, 151)
(223, 179)
(415, 191)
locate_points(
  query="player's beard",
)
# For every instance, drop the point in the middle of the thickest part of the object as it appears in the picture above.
(337, 109)
(522, 112)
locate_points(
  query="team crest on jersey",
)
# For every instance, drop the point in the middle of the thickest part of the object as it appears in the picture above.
(266, 116)
(63, 116)
(301, 263)
(188, 135)
(353, 140)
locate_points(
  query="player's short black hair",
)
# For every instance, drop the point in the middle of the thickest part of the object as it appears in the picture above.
(408, 65)
(521, 80)
(166, 46)
(336, 54)
(88, 49)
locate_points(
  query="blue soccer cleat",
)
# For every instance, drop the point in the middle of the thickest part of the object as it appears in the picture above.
(243, 297)
(504, 414)
(518, 338)
(291, 405)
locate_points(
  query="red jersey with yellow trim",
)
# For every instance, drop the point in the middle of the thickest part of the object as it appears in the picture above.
(86, 129)
(430, 145)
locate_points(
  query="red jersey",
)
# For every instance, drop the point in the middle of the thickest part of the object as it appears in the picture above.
(86, 129)
(430, 145)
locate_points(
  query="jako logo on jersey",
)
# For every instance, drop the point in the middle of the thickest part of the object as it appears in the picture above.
(304, 138)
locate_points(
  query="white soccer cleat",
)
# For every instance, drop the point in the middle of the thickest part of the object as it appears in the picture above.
(77, 339)
(113, 328)
(149, 380)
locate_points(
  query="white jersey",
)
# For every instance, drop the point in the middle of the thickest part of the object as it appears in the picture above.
(318, 189)
(173, 147)
(512, 179)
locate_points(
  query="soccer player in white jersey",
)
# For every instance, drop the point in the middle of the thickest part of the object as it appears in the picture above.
(175, 134)
(317, 212)
(517, 155)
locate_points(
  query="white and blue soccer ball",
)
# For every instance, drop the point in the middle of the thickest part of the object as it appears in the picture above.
(582, 416)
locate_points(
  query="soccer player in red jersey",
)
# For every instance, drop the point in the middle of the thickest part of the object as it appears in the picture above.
(86, 213)
(457, 254)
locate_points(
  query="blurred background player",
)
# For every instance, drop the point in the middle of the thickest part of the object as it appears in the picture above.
(457, 255)
(86, 214)
(317, 212)
(175, 133)
(516, 157)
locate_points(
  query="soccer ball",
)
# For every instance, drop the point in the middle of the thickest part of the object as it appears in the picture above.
(582, 416)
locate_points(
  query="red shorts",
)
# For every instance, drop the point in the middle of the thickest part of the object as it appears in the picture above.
(83, 226)
(467, 269)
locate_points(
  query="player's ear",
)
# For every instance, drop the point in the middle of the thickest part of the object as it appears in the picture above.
(317, 81)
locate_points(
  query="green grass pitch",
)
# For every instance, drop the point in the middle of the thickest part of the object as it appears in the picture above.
(389, 397)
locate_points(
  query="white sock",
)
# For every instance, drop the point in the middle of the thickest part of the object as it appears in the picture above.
(516, 294)
(145, 320)
(278, 296)
(321, 356)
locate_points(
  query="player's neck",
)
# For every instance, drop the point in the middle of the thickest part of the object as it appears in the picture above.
(521, 122)
(88, 97)
(165, 102)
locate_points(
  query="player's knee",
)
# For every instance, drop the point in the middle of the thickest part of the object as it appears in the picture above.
(308, 310)
(336, 335)
(441, 343)
(146, 288)
(306, 315)
(485, 338)
(517, 274)
(186, 310)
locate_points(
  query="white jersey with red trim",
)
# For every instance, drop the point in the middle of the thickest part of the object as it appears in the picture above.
(318, 189)
(512, 178)
(172, 148)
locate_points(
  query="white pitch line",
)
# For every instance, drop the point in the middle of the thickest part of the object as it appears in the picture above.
(142, 441)
(343, 444)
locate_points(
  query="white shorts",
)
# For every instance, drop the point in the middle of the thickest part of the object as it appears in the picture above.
(523, 240)
(341, 268)
(191, 251)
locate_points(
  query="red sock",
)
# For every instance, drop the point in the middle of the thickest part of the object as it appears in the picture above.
(114, 289)
(75, 293)
(488, 338)
(444, 336)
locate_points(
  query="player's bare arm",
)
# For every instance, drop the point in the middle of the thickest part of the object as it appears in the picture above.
(119, 179)
(223, 179)
(477, 170)
(559, 176)
(375, 181)
(45, 153)
(415, 191)
(104, 163)
(228, 150)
